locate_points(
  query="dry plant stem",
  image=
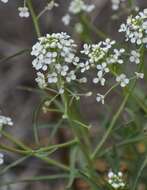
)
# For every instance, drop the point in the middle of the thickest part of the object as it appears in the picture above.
(116, 116)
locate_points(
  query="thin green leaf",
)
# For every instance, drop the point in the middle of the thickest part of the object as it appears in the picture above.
(73, 171)
(14, 164)
(143, 165)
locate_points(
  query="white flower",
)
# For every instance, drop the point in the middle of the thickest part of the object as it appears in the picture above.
(108, 44)
(115, 57)
(1, 158)
(24, 12)
(82, 80)
(76, 6)
(5, 121)
(71, 76)
(40, 79)
(135, 57)
(4, 1)
(84, 66)
(66, 19)
(115, 180)
(51, 5)
(52, 78)
(123, 80)
(79, 27)
(103, 68)
(100, 98)
(99, 78)
(61, 90)
(86, 49)
(139, 75)
(116, 4)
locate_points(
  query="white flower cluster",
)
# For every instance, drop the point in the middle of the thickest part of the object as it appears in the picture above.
(116, 180)
(4, 1)
(5, 121)
(135, 28)
(116, 4)
(56, 62)
(23, 12)
(76, 7)
(1, 158)
(103, 53)
(54, 57)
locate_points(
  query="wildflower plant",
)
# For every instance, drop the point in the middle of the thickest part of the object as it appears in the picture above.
(63, 71)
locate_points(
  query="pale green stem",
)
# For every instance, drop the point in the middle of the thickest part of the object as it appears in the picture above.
(34, 18)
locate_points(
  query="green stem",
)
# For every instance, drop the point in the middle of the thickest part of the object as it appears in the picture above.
(62, 145)
(117, 114)
(34, 18)
(35, 178)
(15, 141)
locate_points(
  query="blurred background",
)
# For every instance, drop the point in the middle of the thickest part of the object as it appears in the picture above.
(19, 101)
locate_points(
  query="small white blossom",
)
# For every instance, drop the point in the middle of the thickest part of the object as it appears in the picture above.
(99, 78)
(84, 66)
(115, 57)
(76, 6)
(135, 57)
(66, 19)
(82, 80)
(1, 158)
(4, 1)
(51, 5)
(108, 44)
(24, 12)
(61, 90)
(115, 180)
(116, 4)
(139, 75)
(79, 27)
(40, 79)
(103, 68)
(5, 121)
(71, 76)
(52, 78)
(123, 80)
(100, 98)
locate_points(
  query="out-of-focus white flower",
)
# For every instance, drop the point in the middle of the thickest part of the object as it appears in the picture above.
(116, 4)
(139, 75)
(76, 6)
(123, 80)
(100, 98)
(5, 121)
(1, 158)
(51, 5)
(135, 57)
(66, 19)
(23, 12)
(4, 1)
(79, 27)
(115, 180)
